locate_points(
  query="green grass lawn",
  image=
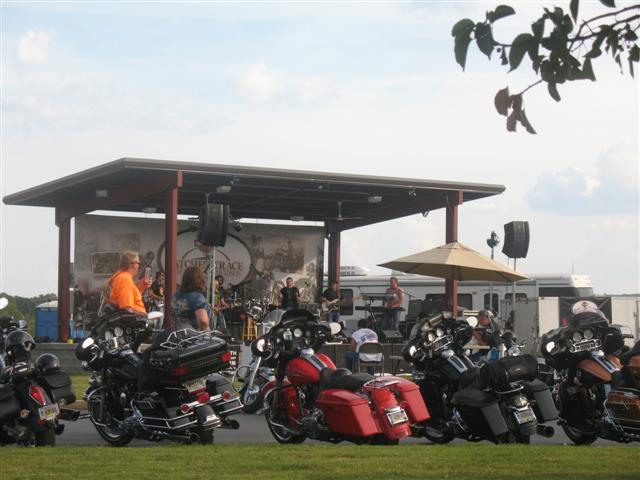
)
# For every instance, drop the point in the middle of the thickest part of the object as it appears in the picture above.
(315, 462)
(80, 382)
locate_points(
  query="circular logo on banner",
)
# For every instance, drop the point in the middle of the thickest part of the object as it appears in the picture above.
(234, 261)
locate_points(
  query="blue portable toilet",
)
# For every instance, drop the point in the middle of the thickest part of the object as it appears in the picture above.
(47, 320)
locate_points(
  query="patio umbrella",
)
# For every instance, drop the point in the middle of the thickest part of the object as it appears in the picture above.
(454, 261)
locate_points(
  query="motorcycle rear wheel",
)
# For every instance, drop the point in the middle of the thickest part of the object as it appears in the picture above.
(578, 436)
(381, 439)
(438, 433)
(206, 437)
(45, 438)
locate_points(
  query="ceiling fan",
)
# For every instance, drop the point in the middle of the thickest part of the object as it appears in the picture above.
(339, 218)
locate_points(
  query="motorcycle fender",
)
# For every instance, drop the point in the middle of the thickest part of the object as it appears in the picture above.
(594, 370)
(206, 416)
(347, 413)
(383, 400)
(288, 399)
(326, 360)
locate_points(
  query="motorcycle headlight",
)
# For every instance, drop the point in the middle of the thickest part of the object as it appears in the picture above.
(513, 351)
(588, 334)
(431, 336)
(297, 332)
(118, 331)
(439, 332)
(577, 336)
(108, 335)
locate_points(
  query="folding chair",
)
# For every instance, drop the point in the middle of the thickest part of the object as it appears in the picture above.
(370, 355)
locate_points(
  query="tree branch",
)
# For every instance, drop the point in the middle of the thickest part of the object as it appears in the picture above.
(530, 87)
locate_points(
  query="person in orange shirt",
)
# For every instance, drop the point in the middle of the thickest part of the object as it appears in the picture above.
(125, 294)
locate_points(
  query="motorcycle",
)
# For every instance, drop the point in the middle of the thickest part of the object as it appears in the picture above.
(596, 394)
(165, 389)
(31, 395)
(311, 398)
(501, 401)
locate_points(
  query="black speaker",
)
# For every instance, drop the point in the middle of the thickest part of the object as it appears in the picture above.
(414, 308)
(516, 239)
(214, 222)
(391, 336)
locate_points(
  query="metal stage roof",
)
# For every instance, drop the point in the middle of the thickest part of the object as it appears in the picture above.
(265, 193)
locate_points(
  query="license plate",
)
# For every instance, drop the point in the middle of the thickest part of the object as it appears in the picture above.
(50, 412)
(525, 416)
(397, 417)
(195, 385)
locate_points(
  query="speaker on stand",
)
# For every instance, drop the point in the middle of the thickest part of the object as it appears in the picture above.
(516, 245)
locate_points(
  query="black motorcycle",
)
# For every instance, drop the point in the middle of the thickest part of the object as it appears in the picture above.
(501, 401)
(167, 389)
(31, 395)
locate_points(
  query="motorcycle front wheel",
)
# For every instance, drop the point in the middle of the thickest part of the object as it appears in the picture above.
(252, 400)
(109, 430)
(272, 415)
(578, 436)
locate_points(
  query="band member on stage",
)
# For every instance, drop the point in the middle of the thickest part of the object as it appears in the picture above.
(289, 296)
(331, 302)
(157, 287)
(391, 319)
(220, 306)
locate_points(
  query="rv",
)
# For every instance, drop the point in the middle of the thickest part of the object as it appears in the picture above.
(425, 294)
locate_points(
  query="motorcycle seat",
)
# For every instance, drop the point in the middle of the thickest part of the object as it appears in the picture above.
(342, 379)
(625, 358)
(471, 379)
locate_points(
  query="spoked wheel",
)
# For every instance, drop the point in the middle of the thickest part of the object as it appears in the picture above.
(251, 396)
(578, 436)
(110, 431)
(275, 414)
(45, 438)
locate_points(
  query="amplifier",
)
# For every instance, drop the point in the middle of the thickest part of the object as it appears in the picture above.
(391, 336)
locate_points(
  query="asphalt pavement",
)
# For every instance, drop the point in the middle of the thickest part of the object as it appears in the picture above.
(253, 429)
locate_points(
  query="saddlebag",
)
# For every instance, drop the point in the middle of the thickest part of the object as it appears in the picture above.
(9, 404)
(624, 407)
(501, 373)
(347, 413)
(217, 385)
(480, 411)
(58, 385)
(410, 398)
(183, 361)
(543, 405)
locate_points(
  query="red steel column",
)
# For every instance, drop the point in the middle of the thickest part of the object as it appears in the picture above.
(450, 285)
(334, 257)
(64, 266)
(171, 248)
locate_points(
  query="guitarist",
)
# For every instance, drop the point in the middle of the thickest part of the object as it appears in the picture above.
(331, 302)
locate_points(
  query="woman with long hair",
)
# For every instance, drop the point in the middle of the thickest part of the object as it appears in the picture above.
(189, 306)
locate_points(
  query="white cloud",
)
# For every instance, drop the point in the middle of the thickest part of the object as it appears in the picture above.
(33, 47)
(260, 84)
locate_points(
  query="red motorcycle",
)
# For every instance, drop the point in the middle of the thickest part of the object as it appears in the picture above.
(311, 398)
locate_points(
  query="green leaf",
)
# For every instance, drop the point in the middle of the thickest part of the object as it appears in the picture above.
(502, 101)
(594, 53)
(608, 3)
(525, 122)
(573, 6)
(501, 11)
(503, 57)
(518, 49)
(460, 49)
(516, 102)
(537, 28)
(634, 54)
(463, 27)
(631, 67)
(484, 39)
(587, 70)
(511, 121)
(553, 91)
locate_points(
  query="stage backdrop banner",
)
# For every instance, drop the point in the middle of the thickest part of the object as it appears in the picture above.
(254, 262)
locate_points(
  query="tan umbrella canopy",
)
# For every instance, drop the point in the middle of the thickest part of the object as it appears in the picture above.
(454, 261)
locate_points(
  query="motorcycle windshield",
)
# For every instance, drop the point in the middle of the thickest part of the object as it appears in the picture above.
(286, 318)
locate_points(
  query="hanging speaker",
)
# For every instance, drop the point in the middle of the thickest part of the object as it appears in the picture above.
(516, 239)
(214, 221)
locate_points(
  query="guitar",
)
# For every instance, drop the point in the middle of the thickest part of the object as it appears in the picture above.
(330, 306)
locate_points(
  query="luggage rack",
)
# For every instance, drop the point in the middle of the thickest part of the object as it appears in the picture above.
(190, 338)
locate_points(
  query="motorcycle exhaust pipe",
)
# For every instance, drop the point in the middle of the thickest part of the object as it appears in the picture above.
(192, 438)
(545, 431)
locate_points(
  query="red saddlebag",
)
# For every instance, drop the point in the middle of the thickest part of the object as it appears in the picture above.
(347, 413)
(410, 398)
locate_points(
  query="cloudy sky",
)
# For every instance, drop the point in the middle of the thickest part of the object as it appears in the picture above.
(368, 88)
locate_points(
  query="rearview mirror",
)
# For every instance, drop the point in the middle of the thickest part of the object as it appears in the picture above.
(472, 321)
(3, 302)
(335, 328)
(22, 324)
